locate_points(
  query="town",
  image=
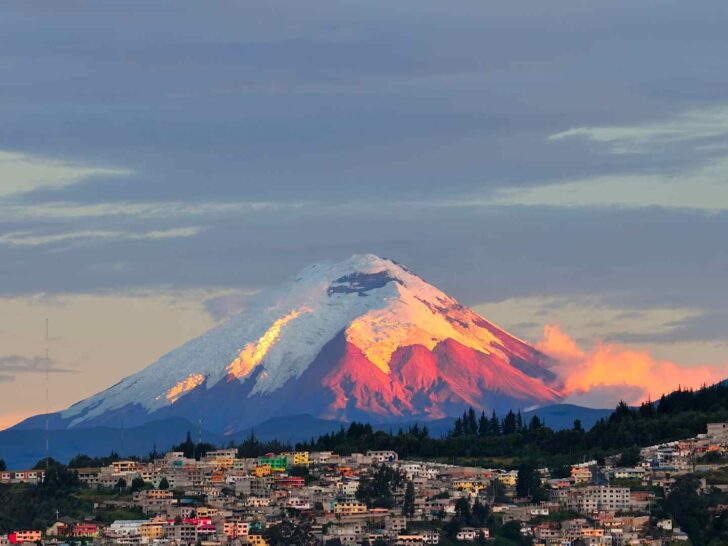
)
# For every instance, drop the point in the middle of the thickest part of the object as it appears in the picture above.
(375, 498)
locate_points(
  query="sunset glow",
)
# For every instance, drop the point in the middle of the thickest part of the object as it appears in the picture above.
(253, 353)
(184, 386)
(607, 365)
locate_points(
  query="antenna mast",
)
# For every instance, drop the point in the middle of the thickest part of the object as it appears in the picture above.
(47, 369)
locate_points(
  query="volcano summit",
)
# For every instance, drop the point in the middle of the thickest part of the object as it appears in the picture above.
(361, 339)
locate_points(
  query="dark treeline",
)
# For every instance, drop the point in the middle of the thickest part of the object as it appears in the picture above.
(680, 414)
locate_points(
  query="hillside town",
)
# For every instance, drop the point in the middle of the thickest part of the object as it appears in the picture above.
(376, 498)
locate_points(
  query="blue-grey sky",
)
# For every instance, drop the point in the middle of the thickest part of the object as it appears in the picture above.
(540, 161)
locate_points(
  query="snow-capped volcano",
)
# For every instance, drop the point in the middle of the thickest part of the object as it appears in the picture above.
(363, 338)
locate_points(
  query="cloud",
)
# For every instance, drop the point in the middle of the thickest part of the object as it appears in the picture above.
(29, 238)
(704, 187)
(691, 126)
(636, 375)
(23, 172)
(682, 163)
(709, 326)
(226, 305)
(13, 365)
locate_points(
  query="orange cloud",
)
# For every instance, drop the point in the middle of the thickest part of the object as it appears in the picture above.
(635, 375)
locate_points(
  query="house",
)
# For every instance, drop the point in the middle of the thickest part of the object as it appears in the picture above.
(470, 533)
(383, 456)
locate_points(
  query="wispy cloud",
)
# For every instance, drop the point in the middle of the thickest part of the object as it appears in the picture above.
(22, 172)
(699, 183)
(690, 126)
(13, 365)
(30, 238)
(705, 187)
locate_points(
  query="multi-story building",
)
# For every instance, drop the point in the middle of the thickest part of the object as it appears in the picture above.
(718, 432)
(383, 456)
(20, 537)
(345, 508)
(22, 476)
(277, 463)
(596, 498)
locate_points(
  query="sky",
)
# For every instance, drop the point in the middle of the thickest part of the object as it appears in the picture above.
(562, 167)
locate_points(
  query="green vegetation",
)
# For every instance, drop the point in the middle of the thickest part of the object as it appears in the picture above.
(26, 506)
(473, 439)
(34, 506)
(377, 490)
(695, 511)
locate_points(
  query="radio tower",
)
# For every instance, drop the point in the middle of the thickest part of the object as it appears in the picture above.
(47, 367)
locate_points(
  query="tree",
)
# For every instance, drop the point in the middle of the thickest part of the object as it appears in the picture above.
(535, 423)
(480, 513)
(462, 510)
(3, 466)
(483, 425)
(495, 429)
(164, 483)
(121, 484)
(377, 490)
(137, 484)
(509, 423)
(333, 542)
(458, 427)
(187, 447)
(689, 509)
(630, 457)
(528, 480)
(577, 425)
(408, 506)
(290, 532)
(511, 531)
(472, 424)
(519, 422)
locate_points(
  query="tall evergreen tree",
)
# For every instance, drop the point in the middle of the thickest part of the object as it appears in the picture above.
(483, 425)
(408, 505)
(494, 428)
(528, 480)
(472, 422)
(458, 427)
(509, 423)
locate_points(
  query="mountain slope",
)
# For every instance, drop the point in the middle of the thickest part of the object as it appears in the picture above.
(361, 339)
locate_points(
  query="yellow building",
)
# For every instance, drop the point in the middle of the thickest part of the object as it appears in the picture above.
(257, 540)
(124, 466)
(298, 458)
(509, 478)
(348, 508)
(18, 537)
(206, 512)
(470, 486)
(152, 529)
(262, 470)
(159, 494)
